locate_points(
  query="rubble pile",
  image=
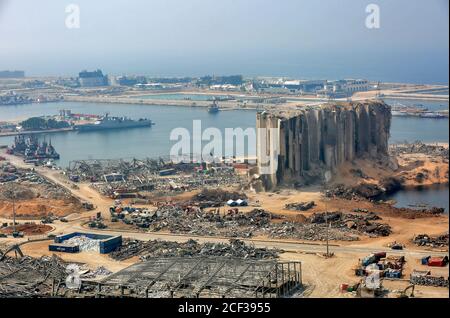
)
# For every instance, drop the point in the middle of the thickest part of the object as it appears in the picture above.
(428, 240)
(156, 248)
(112, 177)
(258, 222)
(419, 147)
(428, 280)
(217, 195)
(300, 206)
(363, 190)
(84, 243)
(360, 223)
(99, 271)
(309, 232)
(341, 191)
(198, 222)
(30, 277)
(368, 190)
(29, 185)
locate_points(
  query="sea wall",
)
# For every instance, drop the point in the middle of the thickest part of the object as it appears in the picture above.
(310, 144)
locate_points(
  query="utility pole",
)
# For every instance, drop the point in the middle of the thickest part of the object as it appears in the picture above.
(326, 224)
(14, 206)
(14, 211)
(328, 245)
(12, 194)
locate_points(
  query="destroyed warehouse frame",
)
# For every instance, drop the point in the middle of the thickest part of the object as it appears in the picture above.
(198, 277)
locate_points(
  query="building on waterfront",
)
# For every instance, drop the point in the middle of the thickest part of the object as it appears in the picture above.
(92, 79)
(12, 74)
(288, 86)
(344, 88)
(129, 80)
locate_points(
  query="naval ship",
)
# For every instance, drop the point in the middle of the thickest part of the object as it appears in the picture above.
(108, 122)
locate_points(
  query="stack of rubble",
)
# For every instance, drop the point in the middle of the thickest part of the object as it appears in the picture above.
(361, 223)
(428, 280)
(135, 176)
(218, 194)
(420, 147)
(191, 248)
(428, 240)
(84, 243)
(30, 277)
(309, 232)
(100, 271)
(30, 185)
(300, 206)
(258, 222)
(361, 191)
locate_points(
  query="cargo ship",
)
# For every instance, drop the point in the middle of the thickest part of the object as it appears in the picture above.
(108, 122)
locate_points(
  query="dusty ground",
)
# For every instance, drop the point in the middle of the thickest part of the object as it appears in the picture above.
(434, 170)
(38, 207)
(323, 276)
(404, 227)
(28, 229)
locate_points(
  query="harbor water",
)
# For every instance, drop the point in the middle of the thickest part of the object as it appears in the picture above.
(422, 197)
(155, 141)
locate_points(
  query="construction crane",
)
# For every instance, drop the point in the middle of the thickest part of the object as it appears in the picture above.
(378, 93)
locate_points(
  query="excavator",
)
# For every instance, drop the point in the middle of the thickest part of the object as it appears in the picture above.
(403, 293)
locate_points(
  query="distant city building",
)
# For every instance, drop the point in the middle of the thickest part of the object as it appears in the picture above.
(130, 80)
(344, 88)
(34, 84)
(235, 80)
(288, 86)
(92, 79)
(68, 82)
(12, 74)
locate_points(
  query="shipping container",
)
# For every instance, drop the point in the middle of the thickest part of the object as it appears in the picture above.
(436, 261)
(368, 260)
(63, 248)
(380, 255)
(108, 243)
(425, 259)
(344, 287)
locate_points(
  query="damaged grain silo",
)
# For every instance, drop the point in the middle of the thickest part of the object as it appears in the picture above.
(308, 145)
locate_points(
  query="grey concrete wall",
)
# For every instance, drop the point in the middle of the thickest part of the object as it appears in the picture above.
(318, 139)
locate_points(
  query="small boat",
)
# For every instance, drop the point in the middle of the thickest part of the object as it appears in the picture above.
(213, 108)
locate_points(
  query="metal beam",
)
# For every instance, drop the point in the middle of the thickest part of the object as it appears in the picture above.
(160, 275)
(237, 279)
(187, 274)
(211, 277)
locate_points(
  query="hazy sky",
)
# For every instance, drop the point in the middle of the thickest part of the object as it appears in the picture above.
(298, 38)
